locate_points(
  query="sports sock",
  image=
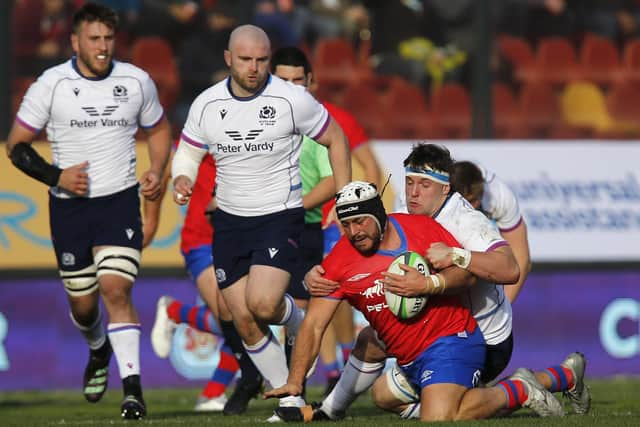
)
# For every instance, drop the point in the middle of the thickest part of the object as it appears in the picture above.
(515, 392)
(223, 374)
(411, 411)
(248, 370)
(293, 316)
(333, 369)
(125, 341)
(269, 358)
(94, 334)
(345, 349)
(561, 378)
(196, 316)
(357, 377)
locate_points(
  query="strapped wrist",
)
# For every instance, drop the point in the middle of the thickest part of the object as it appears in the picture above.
(25, 158)
(461, 257)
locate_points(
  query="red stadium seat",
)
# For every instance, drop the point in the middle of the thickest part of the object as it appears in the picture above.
(451, 109)
(507, 118)
(335, 63)
(362, 100)
(555, 63)
(407, 112)
(155, 56)
(540, 111)
(517, 52)
(630, 71)
(600, 60)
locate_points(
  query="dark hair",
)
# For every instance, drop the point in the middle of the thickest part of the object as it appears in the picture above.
(436, 156)
(291, 56)
(465, 177)
(92, 12)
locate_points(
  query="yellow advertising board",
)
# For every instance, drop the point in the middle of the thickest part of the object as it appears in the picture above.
(25, 241)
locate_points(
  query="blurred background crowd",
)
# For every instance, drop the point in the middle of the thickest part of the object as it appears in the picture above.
(559, 69)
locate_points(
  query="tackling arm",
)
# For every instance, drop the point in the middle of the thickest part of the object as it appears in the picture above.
(497, 266)
(519, 243)
(336, 142)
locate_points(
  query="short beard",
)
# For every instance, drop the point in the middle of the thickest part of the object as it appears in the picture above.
(376, 239)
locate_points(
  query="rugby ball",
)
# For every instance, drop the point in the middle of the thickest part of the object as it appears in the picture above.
(406, 307)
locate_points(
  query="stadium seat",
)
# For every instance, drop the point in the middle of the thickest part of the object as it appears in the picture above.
(507, 118)
(630, 71)
(407, 112)
(584, 105)
(451, 107)
(555, 63)
(335, 63)
(622, 104)
(19, 86)
(155, 56)
(518, 53)
(363, 101)
(600, 60)
(540, 111)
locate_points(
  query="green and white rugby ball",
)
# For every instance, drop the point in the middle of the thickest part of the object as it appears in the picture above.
(406, 307)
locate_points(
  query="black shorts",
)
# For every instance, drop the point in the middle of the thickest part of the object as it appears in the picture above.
(311, 251)
(241, 242)
(80, 224)
(496, 360)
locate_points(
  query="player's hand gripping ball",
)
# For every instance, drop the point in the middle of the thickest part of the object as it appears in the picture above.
(406, 307)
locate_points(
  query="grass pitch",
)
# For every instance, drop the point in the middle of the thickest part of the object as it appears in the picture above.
(616, 402)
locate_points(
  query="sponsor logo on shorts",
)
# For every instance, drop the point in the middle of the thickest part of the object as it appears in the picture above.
(68, 259)
(221, 275)
(129, 232)
(273, 252)
(426, 375)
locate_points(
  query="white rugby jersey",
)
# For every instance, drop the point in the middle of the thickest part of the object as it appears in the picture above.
(475, 232)
(256, 143)
(500, 202)
(93, 119)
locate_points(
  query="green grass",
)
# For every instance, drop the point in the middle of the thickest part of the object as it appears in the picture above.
(616, 402)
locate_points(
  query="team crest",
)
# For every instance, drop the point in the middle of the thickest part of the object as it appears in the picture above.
(267, 115)
(120, 93)
(68, 259)
(221, 275)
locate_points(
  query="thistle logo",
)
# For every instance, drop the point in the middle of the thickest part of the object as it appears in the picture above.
(267, 112)
(119, 91)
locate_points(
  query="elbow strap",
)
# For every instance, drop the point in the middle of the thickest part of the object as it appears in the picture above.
(25, 158)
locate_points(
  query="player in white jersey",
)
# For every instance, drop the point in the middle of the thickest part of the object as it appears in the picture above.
(92, 107)
(252, 124)
(487, 192)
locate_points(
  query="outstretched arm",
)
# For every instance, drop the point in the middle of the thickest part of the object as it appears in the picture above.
(319, 314)
(336, 142)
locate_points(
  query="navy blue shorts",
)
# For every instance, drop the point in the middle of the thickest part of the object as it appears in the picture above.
(241, 242)
(498, 357)
(311, 251)
(80, 224)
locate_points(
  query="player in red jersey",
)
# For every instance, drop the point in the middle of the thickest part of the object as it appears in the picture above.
(441, 350)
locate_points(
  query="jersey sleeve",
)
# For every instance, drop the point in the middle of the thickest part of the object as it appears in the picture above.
(35, 107)
(151, 111)
(479, 233)
(310, 116)
(501, 204)
(193, 133)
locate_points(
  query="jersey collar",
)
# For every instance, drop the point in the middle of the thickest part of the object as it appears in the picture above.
(74, 64)
(403, 240)
(442, 206)
(248, 98)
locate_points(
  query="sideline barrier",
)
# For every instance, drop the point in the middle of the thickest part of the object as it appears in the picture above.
(557, 313)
